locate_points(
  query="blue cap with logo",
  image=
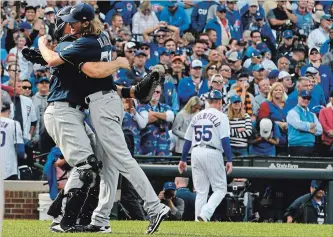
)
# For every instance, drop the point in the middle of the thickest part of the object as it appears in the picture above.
(287, 34)
(43, 79)
(273, 74)
(221, 8)
(140, 52)
(123, 82)
(258, 67)
(25, 25)
(80, 12)
(172, 3)
(215, 95)
(255, 53)
(235, 98)
(119, 6)
(259, 16)
(169, 186)
(315, 183)
(163, 51)
(305, 93)
(262, 47)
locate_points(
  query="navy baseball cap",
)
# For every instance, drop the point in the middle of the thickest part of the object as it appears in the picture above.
(172, 3)
(255, 53)
(221, 8)
(215, 95)
(169, 186)
(259, 16)
(119, 6)
(315, 183)
(287, 34)
(140, 52)
(123, 82)
(262, 47)
(80, 12)
(43, 79)
(163, 51)
(258, 67)
(273, 74)
(305, 93)
(25, 25)
(235, 98)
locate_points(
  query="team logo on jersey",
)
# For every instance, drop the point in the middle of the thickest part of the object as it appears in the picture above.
(202, 11)
(324, 75)
(68, 47)
(129, 7)
(28, 109)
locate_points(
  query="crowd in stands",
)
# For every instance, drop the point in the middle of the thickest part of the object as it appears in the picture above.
(272, 61)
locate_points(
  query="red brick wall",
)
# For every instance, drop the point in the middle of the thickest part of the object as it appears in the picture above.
(21, 205)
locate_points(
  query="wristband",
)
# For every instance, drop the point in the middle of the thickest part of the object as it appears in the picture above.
(126, 92)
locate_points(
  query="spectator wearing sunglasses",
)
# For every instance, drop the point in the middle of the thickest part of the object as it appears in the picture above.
(222, 26)
(328, 44)
(249, 16)
(255, 59)
(14, 71)
(303, 127)
(325, 72)
(26, 88)
(152, 60)
(234, 60)
(318, 36)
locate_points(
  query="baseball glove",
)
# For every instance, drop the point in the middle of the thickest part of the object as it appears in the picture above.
(34, 56)
(144, 90)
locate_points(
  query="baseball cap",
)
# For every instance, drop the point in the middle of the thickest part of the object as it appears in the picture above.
(172, 3)
(140, 52)
(169, 186)
(215, 95)
(242, 75)
(255, 53)
(283, 74)
(163, 51)
(317, 16)
(234, 56)
(299, 48)
(49, 10)
(258, 67)
(262, 47)
(129, 45)
(123, 82)
(274, 73)
(315, 183)
(266, 126)
(25, 25)
(177, 58)
(221, 8)
(161, 29)
(288, 34)
(30, 8)
(38, 68)
(43, 79)
(253, 3)
(325, 17)
(235, 98)
(311, 70)
(5, 106)
(80, 12)
(196, 63)
(119, 6)
(305, 93)
(144, 44)
(313, 49)
(259, 16)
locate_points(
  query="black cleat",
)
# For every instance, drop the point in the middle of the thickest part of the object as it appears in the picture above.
(98, 229)
(156, 220)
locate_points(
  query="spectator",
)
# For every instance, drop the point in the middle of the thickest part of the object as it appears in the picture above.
(313, 211)
(258, 75)
(326, 120)
(49, 14)
(240, 127)
(287, 45)
(143, 19)
(164, 56)
(215, 84)
(235, 63)
(182, 121)
(198, 52)
(212, 35)
(265, 137)
(26, 88)
(319, 35)
(14, 146)
(234, 18)
(255, 59)
(13, 72)
(266, 54)
(138, 70)
(318, 98)
(155, 138)
(225, 71)
(283, 64)
(176, 16)
(185, 193)
(327, 45)
(215, 57)
(285, 79)
(275, 109)
(194, 85)
(249, 17)
(298, 56)
(304, 23)
(40, 102)
(199, 15)
(325, 72)
(210, 70)
(273, 76)
(303, 126)
(126, 9)
(264, 89)
(240, 89)
(117, 23)
(168, 197)
(222, 26)
(178, 68)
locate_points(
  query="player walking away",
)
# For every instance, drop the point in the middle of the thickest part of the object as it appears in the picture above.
(208, 134)
(106, 112)
(11, 143)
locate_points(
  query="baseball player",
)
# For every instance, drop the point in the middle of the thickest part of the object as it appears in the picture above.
(11, 143)
(208, 135)
(106, 113)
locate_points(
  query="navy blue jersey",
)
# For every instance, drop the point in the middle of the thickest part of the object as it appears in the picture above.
(90, 48)
(67, 84)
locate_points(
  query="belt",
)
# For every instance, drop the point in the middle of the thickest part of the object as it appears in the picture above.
(82, 164)
(206, 146)
(87, 99)
(71, 105)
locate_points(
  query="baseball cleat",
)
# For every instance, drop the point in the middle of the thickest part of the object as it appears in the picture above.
(98, 229)
(156, 220)
(58, 228)
(202, 219)
(54, 224)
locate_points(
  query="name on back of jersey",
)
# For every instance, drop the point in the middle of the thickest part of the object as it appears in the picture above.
(208, 116)
(3, 124)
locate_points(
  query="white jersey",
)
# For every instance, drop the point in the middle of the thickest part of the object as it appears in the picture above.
(8, 139)
(208, 128)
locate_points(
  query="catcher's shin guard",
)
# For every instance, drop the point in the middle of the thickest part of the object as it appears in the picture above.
(55, 208)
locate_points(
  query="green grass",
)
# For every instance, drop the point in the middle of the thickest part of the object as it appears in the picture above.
(26, 228)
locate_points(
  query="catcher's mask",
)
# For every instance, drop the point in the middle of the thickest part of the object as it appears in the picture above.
(60, 24)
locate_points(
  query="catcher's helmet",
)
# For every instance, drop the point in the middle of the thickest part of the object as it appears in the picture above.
(60, 24)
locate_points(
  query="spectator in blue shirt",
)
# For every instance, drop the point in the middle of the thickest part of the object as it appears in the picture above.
(234, 18)
(176, 16)
(265, 137)
(194, 85)
(199, 15)
(327, 45)
(125, 8)
(187, 195)
(303, 126)
(304, 23)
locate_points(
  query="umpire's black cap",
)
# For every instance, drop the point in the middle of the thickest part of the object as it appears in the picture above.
(80, 12)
